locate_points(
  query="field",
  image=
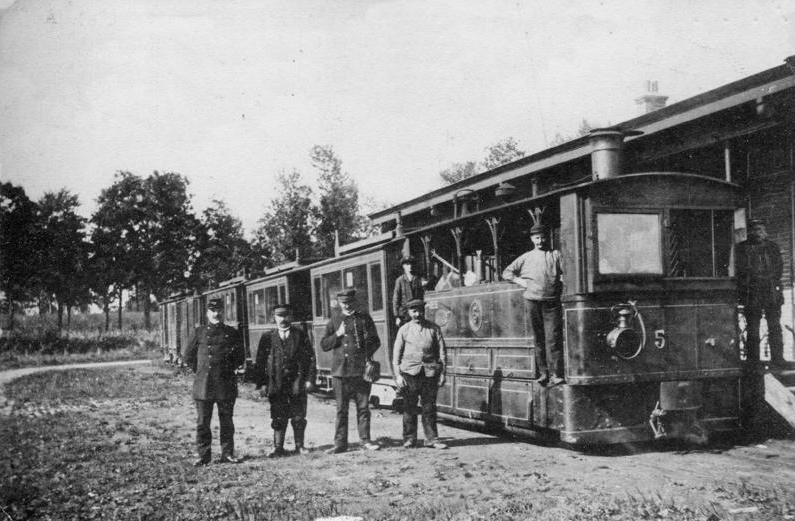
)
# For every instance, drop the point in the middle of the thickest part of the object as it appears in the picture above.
(118, 444)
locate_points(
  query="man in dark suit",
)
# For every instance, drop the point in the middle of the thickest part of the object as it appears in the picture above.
(213, 352)
(285, 367)
(408, 286)
(759, 269)
(352, 337)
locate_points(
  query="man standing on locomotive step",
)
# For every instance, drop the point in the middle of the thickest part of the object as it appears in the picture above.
(408, 286)
(759, 268)
(213, 352)
(419, 361)
(285, 366)
(540, 273)
(352, 337)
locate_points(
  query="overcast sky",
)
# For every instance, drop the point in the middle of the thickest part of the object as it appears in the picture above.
(229, 93)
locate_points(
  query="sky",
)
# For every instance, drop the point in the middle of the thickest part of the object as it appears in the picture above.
(231, 93)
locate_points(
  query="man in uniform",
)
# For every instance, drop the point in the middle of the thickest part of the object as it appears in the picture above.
(352, 337)
(540, 273)
(419, 361)
(759, 270)
(214, 352)
(408, 286)
(285, 366)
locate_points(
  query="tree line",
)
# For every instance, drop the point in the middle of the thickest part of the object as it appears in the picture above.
(145, 238)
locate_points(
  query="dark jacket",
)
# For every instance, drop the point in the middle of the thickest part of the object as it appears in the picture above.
(213, 353)
(284, 366)
(759, 269)
(355, 347)
(406, 290)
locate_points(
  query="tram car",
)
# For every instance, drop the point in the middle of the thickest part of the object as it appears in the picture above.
(649, 299)
(285, 283)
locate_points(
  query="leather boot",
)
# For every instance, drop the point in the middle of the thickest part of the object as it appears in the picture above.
(299, 441)
(278, 444)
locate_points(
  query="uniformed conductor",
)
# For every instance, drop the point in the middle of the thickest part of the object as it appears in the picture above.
(214, 352)
(352, 337)
(285, 369)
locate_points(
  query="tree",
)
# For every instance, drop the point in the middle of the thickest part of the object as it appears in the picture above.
(458, 171)
(338, 210)
(63, 270)
(498, 154)
(286, 226)
(223, 251)
(501, 153)
(149, 232)
(19, 246)
(583, 130)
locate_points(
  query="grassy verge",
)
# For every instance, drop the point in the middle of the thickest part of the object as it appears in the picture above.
(109, 444)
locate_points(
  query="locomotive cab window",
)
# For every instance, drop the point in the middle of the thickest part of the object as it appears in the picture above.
(629, 243)
(699, 243)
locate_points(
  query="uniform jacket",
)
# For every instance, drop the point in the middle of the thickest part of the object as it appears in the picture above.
(214, 352)
(405, 290)
(419, 347)
(352, 350)
(759, 268)
(284, 366)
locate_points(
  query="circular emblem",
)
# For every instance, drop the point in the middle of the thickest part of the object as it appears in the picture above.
(441, 317)
(475, 315)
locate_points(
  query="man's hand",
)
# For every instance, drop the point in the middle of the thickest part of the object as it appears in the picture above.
(397, 321)
(263, 391)
(341, 329)
(442, 378)
(309, 386)
(400, 381)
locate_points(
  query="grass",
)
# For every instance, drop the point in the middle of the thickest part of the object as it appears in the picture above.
(36, 341)
(118, 453)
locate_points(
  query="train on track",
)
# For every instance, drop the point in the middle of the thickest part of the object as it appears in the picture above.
(646, 216)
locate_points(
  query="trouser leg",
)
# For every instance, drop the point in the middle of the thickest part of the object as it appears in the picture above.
(428, 392)
(225, 411)
(362, 397)
(342, 398)
(752, 317)
(410, 397)
(553, 336)
(298, 418)
(204, 413)
(536, 316)
(774, 337)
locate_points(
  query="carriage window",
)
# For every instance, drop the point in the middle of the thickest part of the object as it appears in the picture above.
(271, 299)
(377, 302)
(229, 307)
(699, 243)
(318, 297)
(356, 278)
(332, 284)
(256, 307)
(629, 243)
(282, 293)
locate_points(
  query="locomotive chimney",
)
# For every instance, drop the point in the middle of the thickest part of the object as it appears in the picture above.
(652, 100)
(606, 146)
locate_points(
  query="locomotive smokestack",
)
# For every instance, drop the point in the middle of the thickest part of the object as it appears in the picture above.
(606, 147)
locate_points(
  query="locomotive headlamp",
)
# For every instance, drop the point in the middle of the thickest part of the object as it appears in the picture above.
(623, 339)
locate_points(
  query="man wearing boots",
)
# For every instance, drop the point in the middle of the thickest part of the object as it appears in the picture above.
(285, 372)
(214, 352)
(352, 338)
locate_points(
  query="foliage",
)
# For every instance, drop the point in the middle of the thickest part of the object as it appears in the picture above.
(223, 251)
(498, 154)
(338, 210)
(287, 224)
(20, 242)
(65, 251)
(583, 130)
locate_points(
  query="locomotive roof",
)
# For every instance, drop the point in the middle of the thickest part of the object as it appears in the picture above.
(722, 98)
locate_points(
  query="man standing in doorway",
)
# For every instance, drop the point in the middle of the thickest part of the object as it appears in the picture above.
(540, 273)
(759, 269)
(408, 286)
(419, 361)
(285, 367)
(352, 337)
(213, 352)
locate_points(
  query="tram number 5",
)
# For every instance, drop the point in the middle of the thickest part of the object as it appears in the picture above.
(659, 338)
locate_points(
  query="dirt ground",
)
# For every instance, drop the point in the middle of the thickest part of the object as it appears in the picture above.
(478, 467)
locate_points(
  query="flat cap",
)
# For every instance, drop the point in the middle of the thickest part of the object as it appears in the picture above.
(756, 222)
(348, 295)
(415, 303)
(214, 304)
(408, 259)
(282, 308)
(538, 228)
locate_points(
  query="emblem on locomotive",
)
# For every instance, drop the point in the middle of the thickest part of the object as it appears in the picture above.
(475, 315)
